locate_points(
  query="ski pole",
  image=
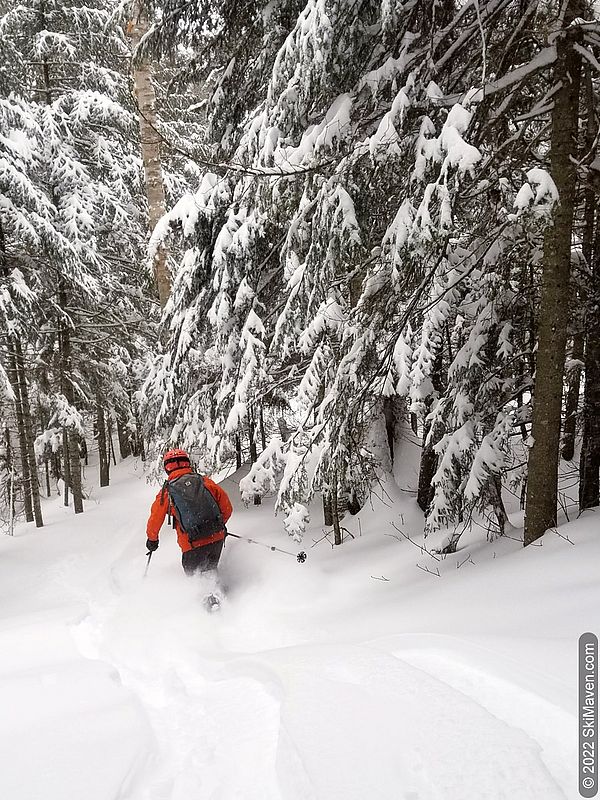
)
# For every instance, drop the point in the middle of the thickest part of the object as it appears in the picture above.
(300, 557)
(148, 563)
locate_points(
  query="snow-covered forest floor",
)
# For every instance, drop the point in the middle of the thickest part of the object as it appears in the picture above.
(356, 675)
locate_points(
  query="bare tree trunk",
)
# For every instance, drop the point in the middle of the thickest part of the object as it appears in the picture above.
(335, 516)
(83, 451)
(13, 375)
(29, 436)
(238, 452)
(9, 497)
(263, 435)
(137, 443)
(542, 481)
(589, 466)
(75, 472)
(253, 451)
(122, 435)
(327, 510)
(391, 414)
(429, 458)
(589, 477)
(589, 462)
(150, 143)
(283, 429)
(72, 464)
(18, 381)
(111, 444)
(427, 469)
(572, 400)
(587, 248)
(102, 449)
(66, 466)
(498, 504)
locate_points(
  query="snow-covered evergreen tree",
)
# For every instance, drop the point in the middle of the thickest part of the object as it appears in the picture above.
(76, 229)
(371, 227)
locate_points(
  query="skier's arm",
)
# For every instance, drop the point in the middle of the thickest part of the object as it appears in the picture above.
(157, 516)
(221, 497)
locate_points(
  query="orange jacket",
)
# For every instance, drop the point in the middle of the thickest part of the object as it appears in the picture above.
(160, 507)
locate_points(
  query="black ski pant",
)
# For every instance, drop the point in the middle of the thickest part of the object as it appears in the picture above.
(202, 559)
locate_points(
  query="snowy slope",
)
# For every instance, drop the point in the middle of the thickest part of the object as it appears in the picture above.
(356, 675)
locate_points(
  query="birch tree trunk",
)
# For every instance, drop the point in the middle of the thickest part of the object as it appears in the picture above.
(150, 144)
(542, 480)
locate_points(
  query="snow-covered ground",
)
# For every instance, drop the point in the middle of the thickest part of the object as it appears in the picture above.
(355, 676)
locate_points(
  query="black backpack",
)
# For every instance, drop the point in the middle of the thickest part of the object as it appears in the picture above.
(195, 508)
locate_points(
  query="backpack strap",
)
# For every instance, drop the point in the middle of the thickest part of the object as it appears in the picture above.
(165, 491)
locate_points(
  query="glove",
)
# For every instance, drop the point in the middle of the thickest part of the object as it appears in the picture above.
(152, 545)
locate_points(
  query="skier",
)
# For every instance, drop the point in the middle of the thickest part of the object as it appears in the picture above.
(199, 508)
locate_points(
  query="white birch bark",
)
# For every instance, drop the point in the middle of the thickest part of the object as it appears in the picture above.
(150, 145)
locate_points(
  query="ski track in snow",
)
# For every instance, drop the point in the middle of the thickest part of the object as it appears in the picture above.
(265, 699)
(262, 725)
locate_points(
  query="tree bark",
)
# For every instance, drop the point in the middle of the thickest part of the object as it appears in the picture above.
(427, 469)
(589, 461)
(542, 481)
(123, 436)
(263, 435)
(429, 458)
(150, 144)
(18, 381)
(75, 472)
(47, 471)
(102, 449)
(335, 515)
(327, 511)
(70, 441)
(34, 482)
(253, 451)
(137, 442)
(587, 249)
(572, 401)
(66, 466)
(13, 375)
(111, 444)
(589, 465)
(391, 415)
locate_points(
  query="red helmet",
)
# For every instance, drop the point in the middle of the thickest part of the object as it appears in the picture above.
(174, 459)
